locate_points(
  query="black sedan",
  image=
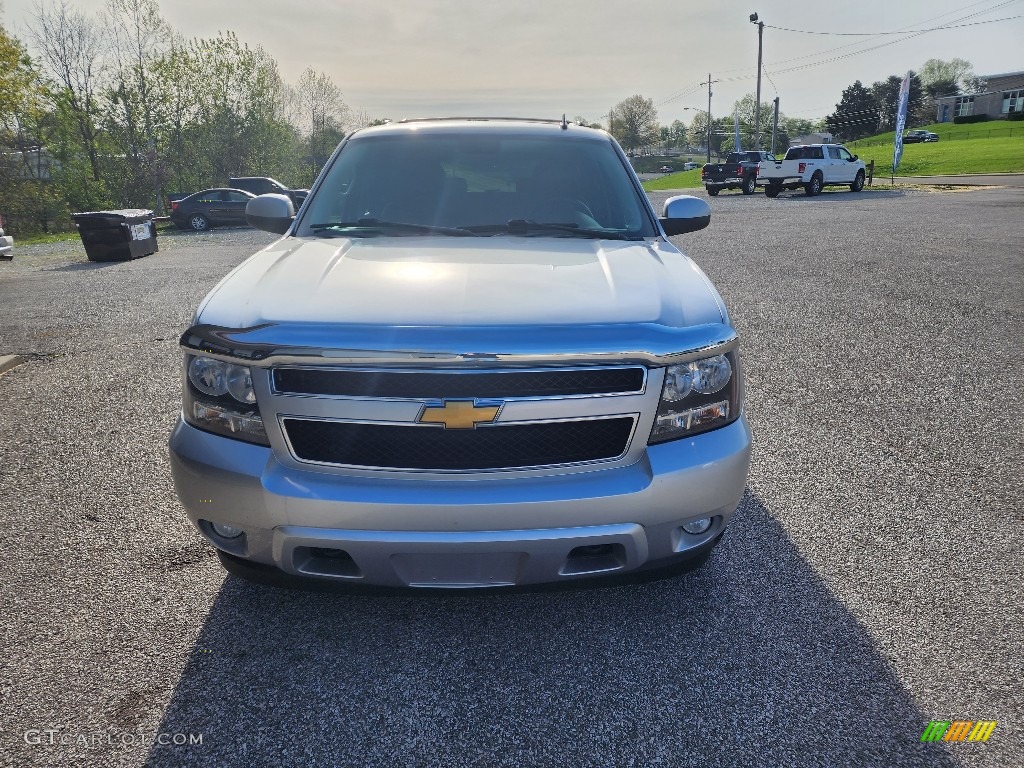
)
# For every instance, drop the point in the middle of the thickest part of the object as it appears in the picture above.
(211, 208)
(916, 136)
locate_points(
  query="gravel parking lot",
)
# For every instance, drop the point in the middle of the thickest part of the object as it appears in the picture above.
(871, 582)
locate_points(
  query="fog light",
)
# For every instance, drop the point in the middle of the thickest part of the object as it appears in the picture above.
(226, 531)
(697, 526)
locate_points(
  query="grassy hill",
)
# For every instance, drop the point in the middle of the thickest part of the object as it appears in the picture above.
(678, 180)
(992, 147)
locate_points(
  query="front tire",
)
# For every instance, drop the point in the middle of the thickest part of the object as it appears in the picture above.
(813, 187)
(772, 190)
(199, 222)
(749, 185)
(713, 191)
(858, 183)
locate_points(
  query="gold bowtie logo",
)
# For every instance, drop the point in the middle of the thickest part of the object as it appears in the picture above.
(459, 414)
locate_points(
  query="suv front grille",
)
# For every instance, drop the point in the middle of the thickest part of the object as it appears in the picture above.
(558, 382)
(508, 446)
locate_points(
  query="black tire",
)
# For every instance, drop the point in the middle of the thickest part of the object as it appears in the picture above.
(713, 191)
(772, 190)
(749, 185)
(858, 182)
(813, 187)
(199, 222)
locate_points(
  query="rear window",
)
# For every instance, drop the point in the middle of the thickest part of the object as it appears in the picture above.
(805, 153)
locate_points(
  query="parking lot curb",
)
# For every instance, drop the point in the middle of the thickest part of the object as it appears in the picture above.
(7, 362)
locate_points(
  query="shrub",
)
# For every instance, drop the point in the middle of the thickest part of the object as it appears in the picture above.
(1015, 116)
(960, 119)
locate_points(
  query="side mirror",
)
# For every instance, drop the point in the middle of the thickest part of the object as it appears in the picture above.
(685, 213)
(855, 157)
(271, 213)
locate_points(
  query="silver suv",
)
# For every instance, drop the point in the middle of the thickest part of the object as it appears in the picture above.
(474, 359)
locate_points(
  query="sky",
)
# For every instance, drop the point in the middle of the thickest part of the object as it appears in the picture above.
(542, 58)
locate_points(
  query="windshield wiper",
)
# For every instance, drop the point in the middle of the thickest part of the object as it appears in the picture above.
(530, 227)
(371, 225)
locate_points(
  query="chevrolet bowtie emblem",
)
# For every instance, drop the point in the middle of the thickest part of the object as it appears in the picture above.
(459, 414)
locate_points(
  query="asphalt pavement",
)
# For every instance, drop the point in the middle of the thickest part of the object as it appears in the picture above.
(870, 583)
(965, 179)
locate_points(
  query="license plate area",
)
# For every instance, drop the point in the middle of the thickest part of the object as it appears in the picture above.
(462, 569)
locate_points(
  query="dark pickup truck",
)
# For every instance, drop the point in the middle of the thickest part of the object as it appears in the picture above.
(739, 171)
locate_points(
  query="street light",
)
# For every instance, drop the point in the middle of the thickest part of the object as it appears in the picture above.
(757, 99)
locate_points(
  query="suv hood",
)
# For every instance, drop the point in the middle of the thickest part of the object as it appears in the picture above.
(447, 281)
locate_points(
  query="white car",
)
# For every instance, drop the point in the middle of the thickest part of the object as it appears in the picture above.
(6, 244)
(473, 359)
(689, 166)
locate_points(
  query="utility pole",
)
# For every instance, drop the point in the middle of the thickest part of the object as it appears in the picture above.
(775, 123)
(757, 100)
(708, 84)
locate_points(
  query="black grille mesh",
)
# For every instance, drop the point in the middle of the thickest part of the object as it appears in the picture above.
(436, 448)
(443, 385)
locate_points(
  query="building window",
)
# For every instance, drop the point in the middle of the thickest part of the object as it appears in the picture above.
(1013, 101)
(964, 106)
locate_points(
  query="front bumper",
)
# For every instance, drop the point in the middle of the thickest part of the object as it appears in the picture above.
(460, 532)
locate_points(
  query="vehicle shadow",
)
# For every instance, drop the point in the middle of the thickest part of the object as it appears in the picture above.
(749, 661)
(85, 266)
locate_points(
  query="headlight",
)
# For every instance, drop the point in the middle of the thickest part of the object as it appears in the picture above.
(219, 398)
(239, 384)
(697, 396)
(208, 376)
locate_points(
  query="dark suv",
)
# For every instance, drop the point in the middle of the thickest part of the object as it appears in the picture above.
(264, 185)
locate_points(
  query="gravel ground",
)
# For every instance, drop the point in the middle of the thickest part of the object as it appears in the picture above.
(871, 581)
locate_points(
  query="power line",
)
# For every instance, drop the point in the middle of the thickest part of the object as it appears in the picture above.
(909, 34)
(880, 45)
(902, 32)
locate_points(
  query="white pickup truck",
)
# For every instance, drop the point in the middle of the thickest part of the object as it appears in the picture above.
(813, 167)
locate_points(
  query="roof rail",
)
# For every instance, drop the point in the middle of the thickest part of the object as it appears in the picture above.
(511, 119)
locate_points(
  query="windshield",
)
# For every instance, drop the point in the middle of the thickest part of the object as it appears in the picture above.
(484, 184)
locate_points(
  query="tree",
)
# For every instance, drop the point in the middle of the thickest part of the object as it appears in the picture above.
(797, 126)
(27, 198)
(957, 71)
(136, 101)
(72, 48)
(323, 115)
(856, 114)
(925, 110)
(744, 108)
(677, 134)
(887, 99)
(719, 129)
(635, 122)
(238, 128)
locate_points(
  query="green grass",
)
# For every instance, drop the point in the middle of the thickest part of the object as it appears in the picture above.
(651, 163)
(680, 180)
(993, 147)
(72, 234)
(54, 237)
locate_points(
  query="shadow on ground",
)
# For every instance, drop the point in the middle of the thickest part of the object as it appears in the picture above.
(748, 661)
(84, 266)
